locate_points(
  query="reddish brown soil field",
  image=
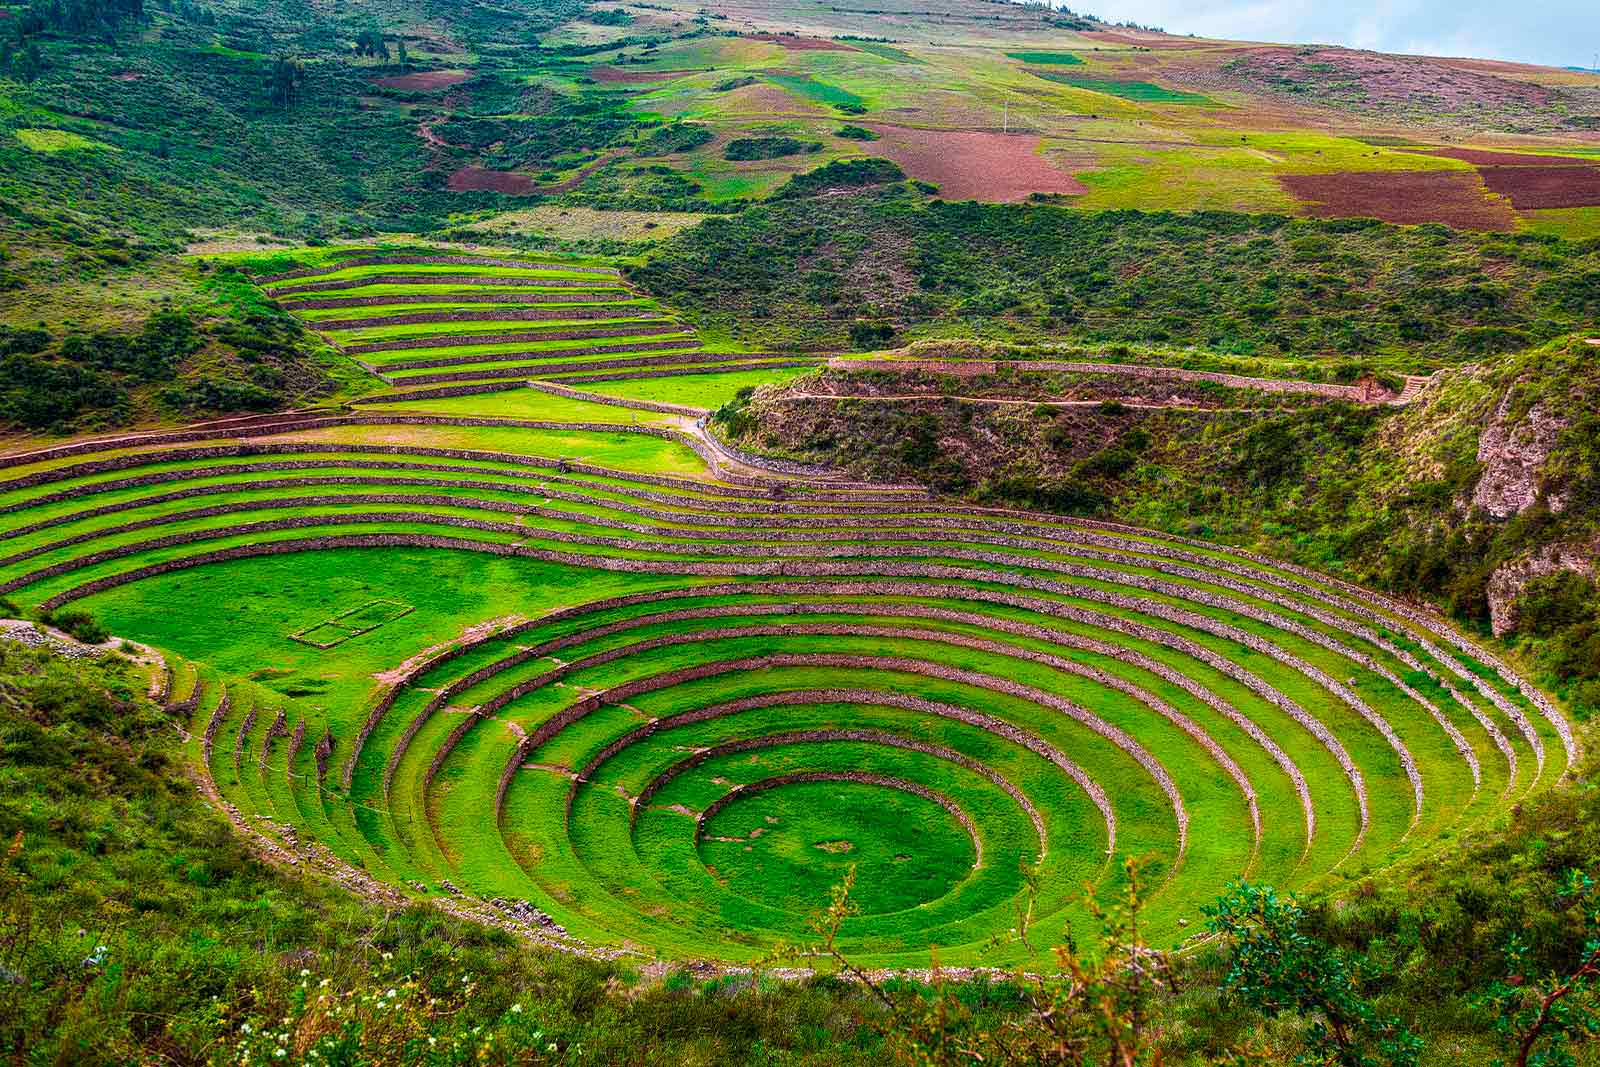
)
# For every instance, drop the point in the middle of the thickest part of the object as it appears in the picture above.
(1455, 198)
(1142, 40)
(1378, 79)
(800, 44)
(1485, 158)
(633, 77)
(425, 81)
(973, 164)
(1531, 188)
(481, 180)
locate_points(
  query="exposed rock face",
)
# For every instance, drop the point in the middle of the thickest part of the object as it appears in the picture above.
(1513, 457)
(1509, 579)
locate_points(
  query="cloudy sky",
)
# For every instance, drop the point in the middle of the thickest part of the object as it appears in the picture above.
(1557, 32)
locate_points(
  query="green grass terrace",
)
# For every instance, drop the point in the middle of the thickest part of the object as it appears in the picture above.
(667, 702)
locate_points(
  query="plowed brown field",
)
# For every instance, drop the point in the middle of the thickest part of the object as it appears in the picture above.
(1531, 188)
(975, 164)
(1455, 198)
(425, 81)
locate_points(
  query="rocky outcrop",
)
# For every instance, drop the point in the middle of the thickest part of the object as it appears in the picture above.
(1509, 580)
(1513, 454)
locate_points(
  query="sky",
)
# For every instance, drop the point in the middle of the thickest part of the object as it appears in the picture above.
(1559, 33)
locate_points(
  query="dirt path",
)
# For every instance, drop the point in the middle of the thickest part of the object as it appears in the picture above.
(1361, 393)
(1137, 405)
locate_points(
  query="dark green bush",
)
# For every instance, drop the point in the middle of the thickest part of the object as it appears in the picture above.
(750, 148)
(677, 137)
(856, 133)
(80, 624)
(841, 174)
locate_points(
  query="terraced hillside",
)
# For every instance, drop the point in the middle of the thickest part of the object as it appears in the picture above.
(434, 325)
(594, 679)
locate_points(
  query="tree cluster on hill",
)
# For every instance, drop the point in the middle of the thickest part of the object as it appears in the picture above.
(788, 274)
(101, 18)
(255, 359)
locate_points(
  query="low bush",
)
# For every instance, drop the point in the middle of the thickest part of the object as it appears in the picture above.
(841, 174)
(743, 149)
(677, 137)
(80, 624)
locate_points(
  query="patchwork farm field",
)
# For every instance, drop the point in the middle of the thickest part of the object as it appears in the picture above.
(1004, 110)
(551, 654)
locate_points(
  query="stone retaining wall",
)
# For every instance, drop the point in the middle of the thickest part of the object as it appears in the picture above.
(724, 368)
(707, 493)
(858, 777)
(415, 260)
(419, 318)
(439, 392)
(273, 504)
(800, 737)
(669, 679)
(242, 734)
(628, 690)
(615, 401)
(279, 728)
(331, 302)
(295, 742)
(288, 426)
(209, 738)
(584, 284)
(536, 367)
(296, 522)
(547, 353)
(460, 340)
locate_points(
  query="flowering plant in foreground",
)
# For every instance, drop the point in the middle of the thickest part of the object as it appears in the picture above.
(394, 1018)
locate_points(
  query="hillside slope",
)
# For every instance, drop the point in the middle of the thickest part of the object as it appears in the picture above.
(1483, 495)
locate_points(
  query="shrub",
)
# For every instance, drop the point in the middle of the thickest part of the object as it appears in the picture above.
(678, 137)
(869, 335)
(744, 149)
(856, 133)
(1276, 967)
(844, 173)
(80, 624)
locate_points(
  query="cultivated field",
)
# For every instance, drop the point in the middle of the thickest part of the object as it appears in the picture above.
(435, 325)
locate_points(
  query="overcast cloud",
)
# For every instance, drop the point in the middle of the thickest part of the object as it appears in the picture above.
(1559, 33)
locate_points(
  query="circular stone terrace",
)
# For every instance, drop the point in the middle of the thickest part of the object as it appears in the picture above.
(604, 684)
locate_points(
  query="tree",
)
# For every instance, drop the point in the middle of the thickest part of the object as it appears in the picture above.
(28, 63)
(1539, 1017)
(370, 42)
(401, 54)
(1275, 967)
(288, 78)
